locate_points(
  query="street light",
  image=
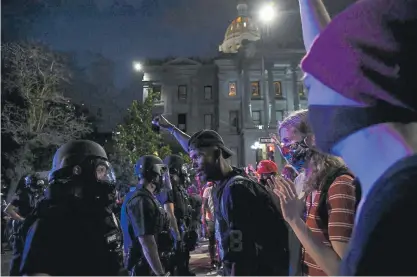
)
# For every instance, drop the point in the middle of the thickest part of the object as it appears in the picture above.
(267, 13)
(256, 145)
(137, 66)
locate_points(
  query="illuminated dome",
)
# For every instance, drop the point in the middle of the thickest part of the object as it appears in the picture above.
(243, 27)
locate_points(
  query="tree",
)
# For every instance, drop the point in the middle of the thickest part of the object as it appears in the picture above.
(36, 118)
(186, 157)
(136, 137)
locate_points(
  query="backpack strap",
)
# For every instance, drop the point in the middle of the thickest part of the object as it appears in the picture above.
(324, 191)
(223, 200)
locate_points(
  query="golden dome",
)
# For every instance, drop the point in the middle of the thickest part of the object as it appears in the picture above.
(241, 28)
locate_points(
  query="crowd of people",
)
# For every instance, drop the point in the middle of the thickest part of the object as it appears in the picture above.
(342, 205)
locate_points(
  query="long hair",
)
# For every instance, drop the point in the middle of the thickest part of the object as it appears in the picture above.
(318, 164)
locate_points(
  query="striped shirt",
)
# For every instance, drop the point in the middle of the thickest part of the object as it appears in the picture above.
(341, 202)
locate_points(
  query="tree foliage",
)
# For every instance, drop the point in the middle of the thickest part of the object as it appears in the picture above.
(36, 117)
(136, 137)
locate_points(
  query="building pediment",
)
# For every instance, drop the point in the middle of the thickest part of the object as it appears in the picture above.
(182, 61)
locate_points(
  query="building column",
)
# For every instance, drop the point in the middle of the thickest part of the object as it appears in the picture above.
(248, 123)
(194, 97)
(294, 79)
(272, 101)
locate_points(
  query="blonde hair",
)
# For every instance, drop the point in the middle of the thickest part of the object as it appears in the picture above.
(318, 163)
(297, 120)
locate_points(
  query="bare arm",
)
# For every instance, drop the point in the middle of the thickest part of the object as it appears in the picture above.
(169, 208)
(314, 18)
(326, 258)
(150, 250)
(11, 211)
(181, 137)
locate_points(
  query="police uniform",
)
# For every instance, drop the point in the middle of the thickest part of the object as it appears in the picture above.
(142, 215)
(25, 201)
(73, 231)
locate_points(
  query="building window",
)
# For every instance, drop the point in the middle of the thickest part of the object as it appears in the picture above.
(207, 92)
(280, 115)
(99, 112)
(182, 92)
(234, 120)
(182, 122)
(256, 117)
(255, 89)
(278, 89)
(208, 119)
(156, 90)
(232, 88)
(301, 90)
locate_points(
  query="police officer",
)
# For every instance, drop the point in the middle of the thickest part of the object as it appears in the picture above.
(73, 231)
(19, 208)
(177, 206)
(144, 222)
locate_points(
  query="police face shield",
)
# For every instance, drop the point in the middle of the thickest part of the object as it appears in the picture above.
(164, 182)
(104, 172)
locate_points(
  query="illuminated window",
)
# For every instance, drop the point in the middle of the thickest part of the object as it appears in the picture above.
(244, 24)
(255, 89)
(277, 89)
(239, 19)
(232, 88)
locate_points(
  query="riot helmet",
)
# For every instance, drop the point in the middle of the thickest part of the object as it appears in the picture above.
(153, 170)
(34, 183)
(81, 170)
(177, 169)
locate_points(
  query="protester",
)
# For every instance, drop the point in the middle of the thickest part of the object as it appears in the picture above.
(254, 232)
(330, 201)
(361, 78)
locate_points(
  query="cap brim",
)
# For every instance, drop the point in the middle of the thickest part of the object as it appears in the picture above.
(227, 153)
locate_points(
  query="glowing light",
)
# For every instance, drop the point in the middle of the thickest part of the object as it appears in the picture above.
(137, 66)
(267, 13)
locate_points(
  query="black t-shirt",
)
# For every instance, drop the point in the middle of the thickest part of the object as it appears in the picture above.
(141, 215)
(253, 229)
(196, 203)
(24, 201)
(65, 243)
(385, 233)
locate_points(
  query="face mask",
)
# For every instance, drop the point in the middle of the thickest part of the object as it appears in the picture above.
(295, 154)
(331, 124)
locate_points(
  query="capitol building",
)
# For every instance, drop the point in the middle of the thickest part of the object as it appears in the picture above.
(242, 93)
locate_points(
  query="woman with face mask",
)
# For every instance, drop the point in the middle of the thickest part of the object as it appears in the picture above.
(325, 227)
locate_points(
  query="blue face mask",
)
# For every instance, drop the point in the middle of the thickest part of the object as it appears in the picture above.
(295, 154)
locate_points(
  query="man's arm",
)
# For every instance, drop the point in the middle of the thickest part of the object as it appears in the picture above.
(169, 208)
(314, 18)
(181, 137)
(150, 250)
(11, 211)
(142, 215)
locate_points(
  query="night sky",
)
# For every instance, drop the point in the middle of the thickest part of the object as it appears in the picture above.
(127, 30)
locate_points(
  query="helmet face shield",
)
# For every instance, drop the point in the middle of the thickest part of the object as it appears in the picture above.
(104, 172)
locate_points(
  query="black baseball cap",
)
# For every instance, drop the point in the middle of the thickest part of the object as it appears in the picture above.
(207, 138)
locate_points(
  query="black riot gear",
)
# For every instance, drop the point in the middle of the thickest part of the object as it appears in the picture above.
(75, 216)
(34, 183)
(152, 169)
(80, 169)
(175, 164)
